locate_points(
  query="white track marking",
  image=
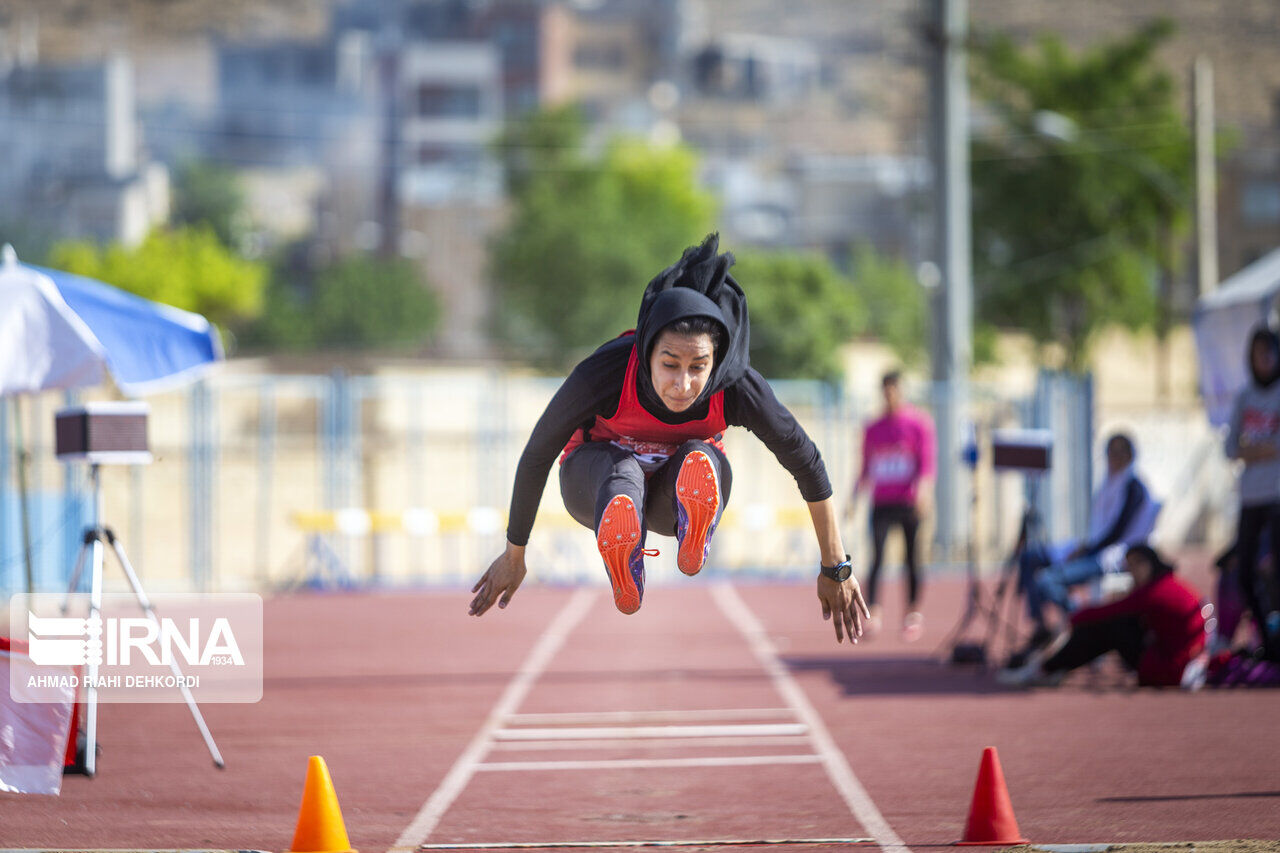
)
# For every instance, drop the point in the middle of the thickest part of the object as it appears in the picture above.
(646, 763)
(642, 717)
(711, 842)
(837, 766)
(464, 768)
(657, 743)
(641, 732)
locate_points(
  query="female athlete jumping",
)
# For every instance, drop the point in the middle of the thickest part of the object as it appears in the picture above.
(638, 427)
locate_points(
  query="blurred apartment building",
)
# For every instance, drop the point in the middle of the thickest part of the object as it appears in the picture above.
(73, 164)
(797, 158)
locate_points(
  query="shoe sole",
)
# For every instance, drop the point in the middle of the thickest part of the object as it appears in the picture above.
(618, 537)
(698, 494)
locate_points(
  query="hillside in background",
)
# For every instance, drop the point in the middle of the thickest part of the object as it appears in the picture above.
(75, 29)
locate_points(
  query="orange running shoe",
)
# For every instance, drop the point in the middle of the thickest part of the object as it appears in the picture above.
(619, 541)
(697, 501)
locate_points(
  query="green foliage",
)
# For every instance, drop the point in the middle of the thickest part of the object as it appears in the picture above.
(186, 267)
(542, 142)
(586, 234)
(208, 194)
(802, 311)
(1081, 200)
(897, 305)
(358, 302)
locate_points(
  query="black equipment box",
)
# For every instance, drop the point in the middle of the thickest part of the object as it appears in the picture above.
(103, 433)
(1022, 449)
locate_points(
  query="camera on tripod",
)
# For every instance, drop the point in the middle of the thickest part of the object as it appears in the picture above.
(1027, 451)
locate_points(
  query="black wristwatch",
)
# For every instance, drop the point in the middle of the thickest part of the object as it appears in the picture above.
(840, 572)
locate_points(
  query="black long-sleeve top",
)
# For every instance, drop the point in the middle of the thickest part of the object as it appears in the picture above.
(594, 388)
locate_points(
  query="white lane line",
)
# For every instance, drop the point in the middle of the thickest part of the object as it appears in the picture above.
(705, 842)
(837, 766)
(647, 763)
(641, 732)
(642, 717)
(464, 768)
(656, 743)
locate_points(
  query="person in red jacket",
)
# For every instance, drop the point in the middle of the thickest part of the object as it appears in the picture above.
(638, 425)
(1157, 629)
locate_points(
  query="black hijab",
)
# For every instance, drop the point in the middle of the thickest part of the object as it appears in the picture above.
(1265, 334)
(697, 285)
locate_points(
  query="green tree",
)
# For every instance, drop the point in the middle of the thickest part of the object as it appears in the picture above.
(185, 267)
(360, 301)
(206, 193)
(587, 233)
(1080, 199)
(547, 140)
(802, 311)
(896, 304)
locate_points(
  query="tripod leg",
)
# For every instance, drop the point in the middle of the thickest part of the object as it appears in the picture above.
(75, 573)
(145, 604)
(94, 659)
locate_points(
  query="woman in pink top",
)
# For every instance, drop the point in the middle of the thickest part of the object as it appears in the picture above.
(898, 460)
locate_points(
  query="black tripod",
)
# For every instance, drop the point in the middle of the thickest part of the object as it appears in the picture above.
(995, 608)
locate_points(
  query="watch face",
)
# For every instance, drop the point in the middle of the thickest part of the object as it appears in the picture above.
(840, 572)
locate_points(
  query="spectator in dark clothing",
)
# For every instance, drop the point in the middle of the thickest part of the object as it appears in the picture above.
(1158, 629)
(1254, 438)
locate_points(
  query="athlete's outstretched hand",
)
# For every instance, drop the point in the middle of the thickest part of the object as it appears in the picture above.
(844, 599)
(500, 581)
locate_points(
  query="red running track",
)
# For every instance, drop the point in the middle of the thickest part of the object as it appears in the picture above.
(398, 693)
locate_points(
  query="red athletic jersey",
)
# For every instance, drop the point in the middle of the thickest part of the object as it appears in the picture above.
(651, 440)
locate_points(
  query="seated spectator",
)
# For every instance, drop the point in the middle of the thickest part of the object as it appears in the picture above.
(1158, 629)
(1122, 515)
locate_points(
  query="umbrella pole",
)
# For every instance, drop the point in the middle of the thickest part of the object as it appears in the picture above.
(23, 457)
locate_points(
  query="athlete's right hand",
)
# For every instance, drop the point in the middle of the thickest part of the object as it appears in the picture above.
(500, 581)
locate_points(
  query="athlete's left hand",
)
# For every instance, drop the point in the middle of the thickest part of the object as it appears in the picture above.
(844, 600)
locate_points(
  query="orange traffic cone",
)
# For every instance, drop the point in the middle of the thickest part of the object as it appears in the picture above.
(320, 828)
(991, 819)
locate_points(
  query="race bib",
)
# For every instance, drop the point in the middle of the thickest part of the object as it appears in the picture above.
(650, 454)
(893, 465)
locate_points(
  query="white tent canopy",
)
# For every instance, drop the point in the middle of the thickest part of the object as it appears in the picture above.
(1223, 322)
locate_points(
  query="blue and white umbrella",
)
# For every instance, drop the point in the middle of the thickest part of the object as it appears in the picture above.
(59, 330)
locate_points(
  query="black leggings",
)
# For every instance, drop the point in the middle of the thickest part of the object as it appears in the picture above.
(1090, 640)
(1259, 600)
(597, 471)
(883, 517)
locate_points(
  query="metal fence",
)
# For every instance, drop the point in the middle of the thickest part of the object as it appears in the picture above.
(269, 481)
